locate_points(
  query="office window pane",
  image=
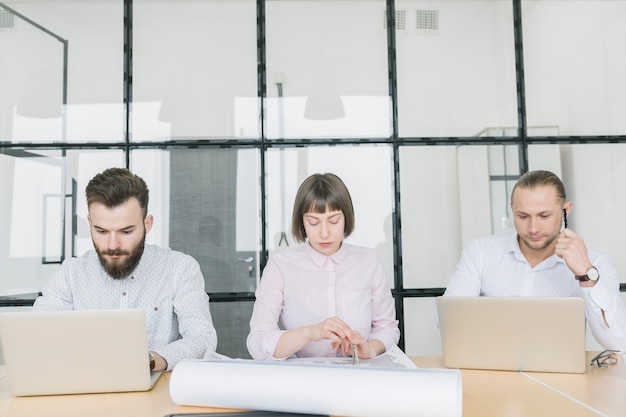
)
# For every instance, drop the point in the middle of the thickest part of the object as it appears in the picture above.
(43, 217)
(82, 166)
(575, 61)
(327, 69)
(31, 216)
(504, 170)
(232, 323)
(456, 67)
(431, 236)
(366, 171)
(446, 202)
(194, 70)
(594, 176)
(50, 53)
(208, 200)
(421, 334)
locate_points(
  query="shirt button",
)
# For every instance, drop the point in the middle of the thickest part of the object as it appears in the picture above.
(124, 293)
(156, 308)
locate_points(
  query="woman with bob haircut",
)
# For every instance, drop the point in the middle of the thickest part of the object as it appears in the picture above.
(318, 299)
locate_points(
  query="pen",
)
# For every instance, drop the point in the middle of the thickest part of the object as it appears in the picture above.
(355, 356)
(565, 218)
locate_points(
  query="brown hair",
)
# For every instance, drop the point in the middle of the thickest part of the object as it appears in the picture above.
(115, 186)
(319, 193)
(539, 178)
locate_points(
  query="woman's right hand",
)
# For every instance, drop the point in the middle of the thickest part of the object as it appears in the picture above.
(333, 329)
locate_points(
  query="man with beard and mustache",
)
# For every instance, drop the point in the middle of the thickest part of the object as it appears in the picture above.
(540, 258)
(125, 273)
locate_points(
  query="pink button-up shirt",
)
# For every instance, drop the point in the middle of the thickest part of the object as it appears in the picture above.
(301, 287)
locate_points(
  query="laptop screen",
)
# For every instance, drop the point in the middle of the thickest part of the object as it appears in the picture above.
(544, 334)
(91, 349)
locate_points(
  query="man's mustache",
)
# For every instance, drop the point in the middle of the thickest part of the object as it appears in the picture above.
(116, 252)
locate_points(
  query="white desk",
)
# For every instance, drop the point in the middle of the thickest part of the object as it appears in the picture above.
(601, 389)
(485, 394)
(153, 403)
(537, 394)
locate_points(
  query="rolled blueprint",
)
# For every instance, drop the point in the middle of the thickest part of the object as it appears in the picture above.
(355, 391)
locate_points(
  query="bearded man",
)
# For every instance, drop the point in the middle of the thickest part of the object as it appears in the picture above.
(122, 272)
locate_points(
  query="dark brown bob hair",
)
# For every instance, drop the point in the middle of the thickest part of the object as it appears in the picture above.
(320, 193)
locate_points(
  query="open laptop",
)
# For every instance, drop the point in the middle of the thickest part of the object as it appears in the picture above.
(76, 352)
(544, 334)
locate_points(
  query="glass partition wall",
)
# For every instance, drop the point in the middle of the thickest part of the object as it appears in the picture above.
(429, 111)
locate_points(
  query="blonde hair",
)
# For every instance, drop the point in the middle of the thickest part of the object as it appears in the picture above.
(539, 178)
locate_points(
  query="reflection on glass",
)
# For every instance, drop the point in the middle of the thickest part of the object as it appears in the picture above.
(333, 82)
(48, 97)
(82, 167)
(458, 77)
(37, 201)
(504, 160)
(208, 201)
(594, 176)
(504, 170)
(31, 216)
(422, 333)
(450, 196)
(196, 76)
(574, 65)
(52, 239)
(502, 218)
(33, 87)
(435, 216)
(232, 323)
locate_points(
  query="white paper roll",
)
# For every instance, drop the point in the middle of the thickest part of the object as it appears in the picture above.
(355, 391)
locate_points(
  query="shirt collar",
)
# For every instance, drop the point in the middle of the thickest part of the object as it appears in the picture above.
(321, 260)
(514, 248)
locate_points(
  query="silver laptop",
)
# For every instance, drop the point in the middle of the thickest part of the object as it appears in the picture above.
(544, 334)
(76, 352)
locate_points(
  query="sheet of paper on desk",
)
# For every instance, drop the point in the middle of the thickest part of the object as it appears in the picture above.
(337, 390)
(393, 358)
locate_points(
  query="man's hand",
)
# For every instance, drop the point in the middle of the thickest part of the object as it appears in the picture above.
(571, 248)
(160, 364)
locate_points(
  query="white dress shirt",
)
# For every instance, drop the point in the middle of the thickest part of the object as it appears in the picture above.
(495, 266)
(167, 284)
(301, 287)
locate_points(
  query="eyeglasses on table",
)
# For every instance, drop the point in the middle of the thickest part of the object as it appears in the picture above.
(604, 358)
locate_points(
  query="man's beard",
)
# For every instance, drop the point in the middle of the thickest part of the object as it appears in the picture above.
(119, 269)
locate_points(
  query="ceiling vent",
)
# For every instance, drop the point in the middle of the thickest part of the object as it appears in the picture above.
(400, 20)
(427, 21)
(6, 19)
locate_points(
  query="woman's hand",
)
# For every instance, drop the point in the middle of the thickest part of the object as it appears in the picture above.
(341, 337)
(364, 350)
(333, 328)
